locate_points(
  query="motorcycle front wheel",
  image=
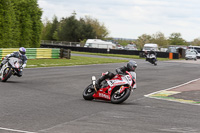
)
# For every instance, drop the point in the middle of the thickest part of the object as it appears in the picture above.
(117, 98)
(89, 92)
(6, 74)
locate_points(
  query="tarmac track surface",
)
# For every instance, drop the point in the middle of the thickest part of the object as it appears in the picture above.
(49, 100)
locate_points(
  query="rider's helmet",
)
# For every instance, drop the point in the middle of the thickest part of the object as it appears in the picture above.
(22, 51)
(131, 65)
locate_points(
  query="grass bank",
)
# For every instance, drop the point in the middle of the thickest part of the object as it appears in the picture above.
(118, 55)
(75, 60)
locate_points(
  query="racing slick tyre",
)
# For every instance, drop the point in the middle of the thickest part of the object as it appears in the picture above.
(88, 92)
(6, 74)
(117, 98)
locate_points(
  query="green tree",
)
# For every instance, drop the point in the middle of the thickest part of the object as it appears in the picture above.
(36, 14)
(46, 30)
(159, 39)
(196, 42)
(68, 29)
(20, 23)
(143, 39)
(8, 24)
(176, 39)
(86, 31)
(30, 23)
(53, 29)
(99, 28)
(71, 29)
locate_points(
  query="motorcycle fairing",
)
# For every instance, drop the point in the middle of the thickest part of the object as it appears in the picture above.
(5, 66)
(103, 93)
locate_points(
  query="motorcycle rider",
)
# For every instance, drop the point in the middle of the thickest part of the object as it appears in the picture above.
(147, 55)
(21, 55)
(131, 66)
(152, 52)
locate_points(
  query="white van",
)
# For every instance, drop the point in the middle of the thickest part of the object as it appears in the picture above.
(97, 43)
(150, 46)
(197, 48)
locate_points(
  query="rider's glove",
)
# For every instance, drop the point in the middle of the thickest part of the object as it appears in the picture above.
(24, 65)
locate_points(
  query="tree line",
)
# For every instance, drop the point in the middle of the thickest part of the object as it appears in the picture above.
(20, 23)
(79, 30)
(160, 39)
(72, 29)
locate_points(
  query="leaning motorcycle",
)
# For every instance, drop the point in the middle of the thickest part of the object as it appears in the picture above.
(152, 59)
(116, 90)
(10, 68)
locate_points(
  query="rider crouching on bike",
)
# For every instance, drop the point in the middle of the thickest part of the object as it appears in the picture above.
(147, 55)
(152, 52)
(131, 66)
(21, 55)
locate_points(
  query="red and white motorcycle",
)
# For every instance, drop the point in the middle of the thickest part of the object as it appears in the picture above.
(116, 90)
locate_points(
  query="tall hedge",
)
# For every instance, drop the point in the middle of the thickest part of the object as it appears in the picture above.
(20, 23)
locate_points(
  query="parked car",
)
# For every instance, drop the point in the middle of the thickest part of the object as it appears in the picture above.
(131, 47)
(118, 46)
(191, 55)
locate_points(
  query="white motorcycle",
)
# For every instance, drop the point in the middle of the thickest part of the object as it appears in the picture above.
(151, 58)
(10, 68)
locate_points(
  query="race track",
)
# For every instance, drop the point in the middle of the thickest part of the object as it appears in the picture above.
(49, 100)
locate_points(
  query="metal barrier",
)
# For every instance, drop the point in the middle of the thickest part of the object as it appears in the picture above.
(111, 51)
(64, 43)
(34, 53)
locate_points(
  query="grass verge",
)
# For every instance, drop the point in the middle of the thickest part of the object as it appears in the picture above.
(118, 55)
(75, 60)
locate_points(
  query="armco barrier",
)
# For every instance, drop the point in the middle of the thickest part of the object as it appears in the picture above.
(34, 53)
(31, 53)
(111, 51)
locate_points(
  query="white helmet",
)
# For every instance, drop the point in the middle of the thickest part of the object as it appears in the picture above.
(22, 51)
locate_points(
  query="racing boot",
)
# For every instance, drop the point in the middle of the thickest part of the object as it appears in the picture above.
(108, 75)
(98, 82)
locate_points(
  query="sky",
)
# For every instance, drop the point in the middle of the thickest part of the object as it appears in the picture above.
(132, 18)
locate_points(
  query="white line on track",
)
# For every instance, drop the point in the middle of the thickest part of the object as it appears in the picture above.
(14, 130)
(149, 95)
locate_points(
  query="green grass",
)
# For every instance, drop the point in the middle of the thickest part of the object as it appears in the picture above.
(110, 55)
(118, 55)
(75, 60)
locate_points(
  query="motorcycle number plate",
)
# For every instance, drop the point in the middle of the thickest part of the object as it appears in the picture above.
(110, 83)
(129, 80)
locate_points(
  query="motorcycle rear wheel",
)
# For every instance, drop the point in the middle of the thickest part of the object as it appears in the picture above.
(6, 75)
(89, 92)
(119, 98)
